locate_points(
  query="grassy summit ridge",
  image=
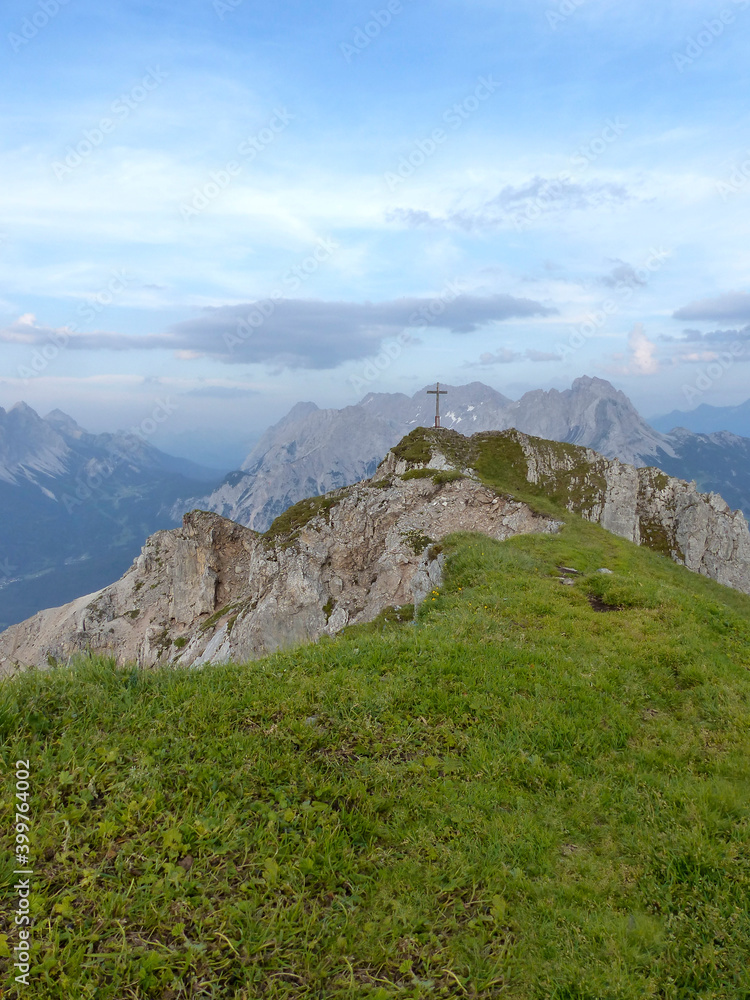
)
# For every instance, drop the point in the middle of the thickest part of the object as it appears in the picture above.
(518, 796)
(498, 458)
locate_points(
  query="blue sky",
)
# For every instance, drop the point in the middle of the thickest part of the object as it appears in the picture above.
(511, 192)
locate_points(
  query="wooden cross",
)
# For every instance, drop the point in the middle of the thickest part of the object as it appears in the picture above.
(437, 393)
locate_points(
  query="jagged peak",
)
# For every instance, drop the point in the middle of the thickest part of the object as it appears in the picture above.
(600, 385)
(302, 409)
(24, 409)
(64, 423)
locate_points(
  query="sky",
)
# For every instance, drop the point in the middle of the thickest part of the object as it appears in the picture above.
(228, 206)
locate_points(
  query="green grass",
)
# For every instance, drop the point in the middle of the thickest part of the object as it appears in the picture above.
(416, 540)
(415, 447)
(215, 618)
(515, 796)
(287, 526)
(438, 476)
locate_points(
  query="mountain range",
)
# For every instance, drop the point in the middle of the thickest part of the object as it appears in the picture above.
(312, 451)
(705, 419)
(75, 507)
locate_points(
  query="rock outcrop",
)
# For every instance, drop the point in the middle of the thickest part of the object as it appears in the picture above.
(215, 591)
(646, 506)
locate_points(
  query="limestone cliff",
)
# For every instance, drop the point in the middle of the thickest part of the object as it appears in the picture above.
(213, 590)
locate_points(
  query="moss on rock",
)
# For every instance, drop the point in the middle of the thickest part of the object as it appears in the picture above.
(287, 526)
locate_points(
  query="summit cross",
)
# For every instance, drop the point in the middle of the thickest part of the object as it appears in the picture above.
(437, 392)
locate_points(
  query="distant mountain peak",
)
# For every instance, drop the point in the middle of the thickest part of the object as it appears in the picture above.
(706, 419)
(300, 410)
(592, 384)
(24, 409)
(588, 380)
(64, 423)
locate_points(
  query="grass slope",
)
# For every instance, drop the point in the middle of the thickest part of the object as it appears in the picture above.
(518, 796)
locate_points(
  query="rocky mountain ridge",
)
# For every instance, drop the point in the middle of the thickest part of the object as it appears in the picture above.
(313, 451)
(214, 590)
(645, 506)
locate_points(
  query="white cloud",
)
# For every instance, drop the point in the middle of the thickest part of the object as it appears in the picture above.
(641, 358)
(643, 352)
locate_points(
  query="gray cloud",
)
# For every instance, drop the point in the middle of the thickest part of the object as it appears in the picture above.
(525, 203)
(413, 217)
(314, 334)
(731, 307)
(543, 356)
(504, 356)
(26, 331)
(622, 274)
(295, 333)
(734, 342)
(714, 337)
(561, 193)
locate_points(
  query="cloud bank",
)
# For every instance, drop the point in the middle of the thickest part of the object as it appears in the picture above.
(696, 346)
(295, 333)
(731, 307)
